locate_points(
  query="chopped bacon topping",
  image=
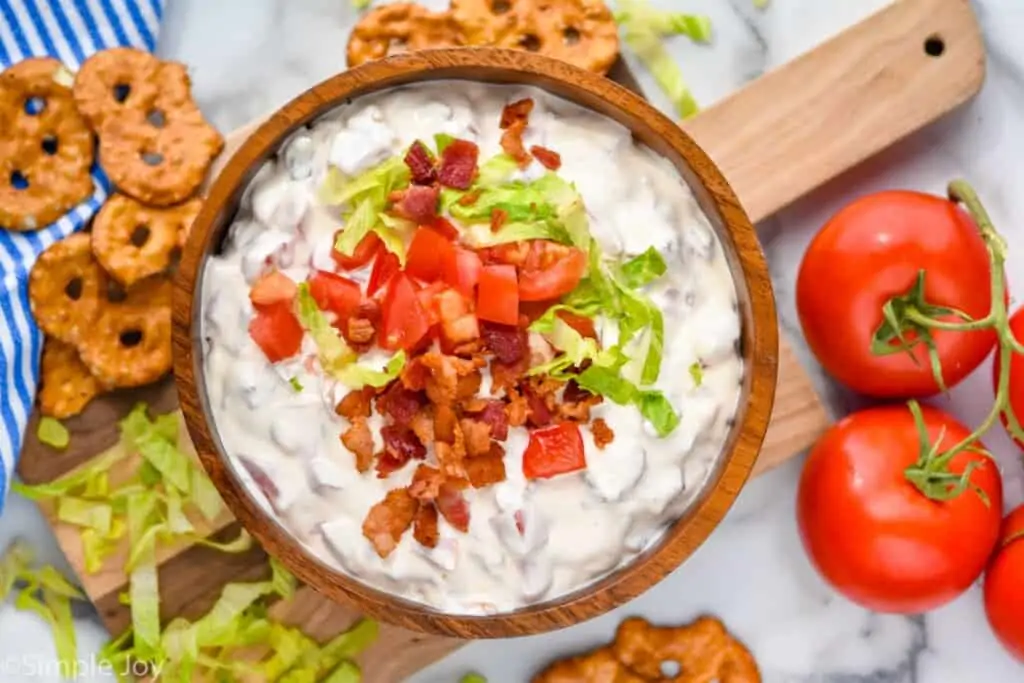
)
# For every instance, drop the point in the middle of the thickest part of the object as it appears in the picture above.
(422, 425)
(547, 158)
(458, 164)
(603, 434)
(505, 376)
(579, 410)
(399, 403)
(402, 444)
(491, 413)
(574, 393)
(421, 164)
(487, 469)
(424, 527)
(514, 119)
(468, 385)
(498, 218)
(540, 415)
(387, 463)
(418, 203)
(453, 506)
(359, 440)
(444, 423)
(477, 437)
(507, 343)
(468, 199)
(359, 331)
(355, 404)
(389, 519)
(443, 383)
(426, 482)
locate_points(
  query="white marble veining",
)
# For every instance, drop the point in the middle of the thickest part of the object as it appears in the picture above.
(249, 56)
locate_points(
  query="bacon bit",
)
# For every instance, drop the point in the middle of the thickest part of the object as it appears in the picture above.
(451, 462)
(453, 507)
(487, 469)
(359, 331)
(579, 410)
(442, 387)
(421, 164)
(477, 436)
(512, 143)
(422, 426)
(399, 403)
(540, 415)
(414, 375)
(518, 409)
(547, 158)
(359, 440)
(418, 203)
(490, 412)
(387, 464)
(468, 199)
(512, 254)
(425, 527)
(498, 218)
(574, 393)
(426, 482)
(468, 385)
(513, 112)
(507, 343)
(520, 525)
(402, 444)
(505, 376)
(444, 423)
(355, 404)
(458, 164)
(603, 434)
(389, 519)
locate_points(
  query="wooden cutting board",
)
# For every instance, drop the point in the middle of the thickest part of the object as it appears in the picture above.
(776, 139)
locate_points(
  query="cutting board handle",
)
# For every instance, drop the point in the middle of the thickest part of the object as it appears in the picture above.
(806, 122)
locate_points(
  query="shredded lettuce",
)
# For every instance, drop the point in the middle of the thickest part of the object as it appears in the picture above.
(358, 225)
(442, 140)
(697, 373)
(395, 233)
(296, 384)
(364, 199)
(643, 269)
(480, 236)
(53, 433)
(333, 352)
(45, 591)
(496, 170)
(357, 375)
(473, 678)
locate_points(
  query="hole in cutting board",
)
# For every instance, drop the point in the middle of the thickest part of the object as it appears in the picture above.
(934, 46)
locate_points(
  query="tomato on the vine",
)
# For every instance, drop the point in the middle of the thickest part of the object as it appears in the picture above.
(1004, 586)
(1015, 390)
(873, 277)
(887, 520)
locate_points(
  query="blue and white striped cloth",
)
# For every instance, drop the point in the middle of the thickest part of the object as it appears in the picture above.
(69, 30)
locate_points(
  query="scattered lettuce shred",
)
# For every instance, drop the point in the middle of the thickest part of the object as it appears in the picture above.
(44, 591)
(697, 373)
(363, 199)
(53, 433)
(473, 677)
(643, 29)
(358, 375)
(361, 4)
(334, 354)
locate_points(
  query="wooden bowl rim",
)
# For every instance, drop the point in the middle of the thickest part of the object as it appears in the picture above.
(760, 337)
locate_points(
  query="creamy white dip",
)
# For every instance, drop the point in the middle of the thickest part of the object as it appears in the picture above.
(578, 526)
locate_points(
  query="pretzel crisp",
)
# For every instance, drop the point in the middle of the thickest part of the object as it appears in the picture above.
(400, 27)
(132, 241)
(130, 343)
(66, 289)
(67, 385)
(46, 148)
(154, 142)
(703, 651)
(580, 32)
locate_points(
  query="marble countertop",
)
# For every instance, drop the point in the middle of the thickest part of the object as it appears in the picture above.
(249, 56)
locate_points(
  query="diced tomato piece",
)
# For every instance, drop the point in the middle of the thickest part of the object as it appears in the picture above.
(277, 331)
(335, 293)
(461, 270)
(384, 268)
(498, 296)
(554, 279)
(583, 325)
(554, 450)
(404, 321)
(363, 254)
(427, 252)
(445, 227)
(273, 288)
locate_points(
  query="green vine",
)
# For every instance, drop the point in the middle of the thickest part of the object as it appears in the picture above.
(930, 474)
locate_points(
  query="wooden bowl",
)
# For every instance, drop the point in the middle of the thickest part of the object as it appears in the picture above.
(716, 198)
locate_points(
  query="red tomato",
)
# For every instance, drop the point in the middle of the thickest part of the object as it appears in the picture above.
(461, 269)
(872, 251)
(1016, 372)
(427, 252)
(873, 535)
(560, 269)
(363, 254)
(498, 295)
(273, 288)
(384, 267)
(428, 300)
(277, 331)
(1004, 586)
(334, 293)
(445, 227)
(554, 450)
(404, 321)
(585, 326)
